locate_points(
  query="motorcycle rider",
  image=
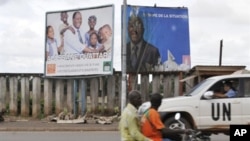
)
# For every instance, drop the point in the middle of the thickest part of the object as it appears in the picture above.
(152, 126)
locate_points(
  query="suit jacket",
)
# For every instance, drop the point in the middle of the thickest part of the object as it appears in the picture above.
(147, 58)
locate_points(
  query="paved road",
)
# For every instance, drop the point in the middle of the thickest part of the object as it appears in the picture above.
(36, 130)
(73, 136)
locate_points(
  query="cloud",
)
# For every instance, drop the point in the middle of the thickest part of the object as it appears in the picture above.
(22, 30)
(3, 2)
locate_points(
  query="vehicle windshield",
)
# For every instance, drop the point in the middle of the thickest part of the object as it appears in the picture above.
(199, 87)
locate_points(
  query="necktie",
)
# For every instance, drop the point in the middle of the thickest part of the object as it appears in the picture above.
(79, 36)
(134, 57)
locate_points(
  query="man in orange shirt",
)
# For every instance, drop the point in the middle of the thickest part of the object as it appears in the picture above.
(152, 126)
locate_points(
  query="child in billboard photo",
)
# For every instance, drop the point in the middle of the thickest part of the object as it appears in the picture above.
(65, 25)
(92, 23)
(141, 55)
(93, 41)
(52, 47)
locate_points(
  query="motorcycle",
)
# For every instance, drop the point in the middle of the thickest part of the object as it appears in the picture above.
(194, 135)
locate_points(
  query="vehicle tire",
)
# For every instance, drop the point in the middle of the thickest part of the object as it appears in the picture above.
(206, 139)
(171, 123)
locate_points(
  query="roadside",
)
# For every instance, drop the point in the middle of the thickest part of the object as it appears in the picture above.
(18, 124)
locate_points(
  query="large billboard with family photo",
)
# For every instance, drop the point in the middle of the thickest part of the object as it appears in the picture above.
(79, 42)
(157, 39)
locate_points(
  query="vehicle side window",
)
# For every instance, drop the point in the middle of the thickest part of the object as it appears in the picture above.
(247, 87)
(226, 88)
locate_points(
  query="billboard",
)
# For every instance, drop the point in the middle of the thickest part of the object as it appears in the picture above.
(157, 39)
(79, 42)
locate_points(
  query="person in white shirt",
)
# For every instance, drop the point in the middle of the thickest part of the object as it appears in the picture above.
(73, 43)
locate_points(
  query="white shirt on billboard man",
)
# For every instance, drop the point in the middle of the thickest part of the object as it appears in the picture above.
(73, 42)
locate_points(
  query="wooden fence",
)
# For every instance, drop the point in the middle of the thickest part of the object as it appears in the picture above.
(32, 95)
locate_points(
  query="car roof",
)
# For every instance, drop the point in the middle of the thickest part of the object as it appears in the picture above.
(230, 76)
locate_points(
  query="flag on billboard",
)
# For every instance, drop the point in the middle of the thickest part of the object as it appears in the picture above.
(157, 39)
(79, 41)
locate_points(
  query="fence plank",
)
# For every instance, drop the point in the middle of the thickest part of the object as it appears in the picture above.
(36, 97)
(145, 86)
(70, 95)
(118, 90)
(176, 85)
(167, 89)
(13, 95)
(59, 97)
(111, 93)
(25, 97)
(48, 96)
(2, 92)
(132, 82)
(82, 101)
(94, 89)
(156, 83)
(103, 93)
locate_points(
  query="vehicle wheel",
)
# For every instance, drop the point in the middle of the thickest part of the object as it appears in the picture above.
(206, 139)
(171, 123)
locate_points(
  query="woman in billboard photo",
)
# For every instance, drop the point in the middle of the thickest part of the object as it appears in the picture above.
(106, 37)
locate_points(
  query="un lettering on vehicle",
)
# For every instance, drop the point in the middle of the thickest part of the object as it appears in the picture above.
(221, 110)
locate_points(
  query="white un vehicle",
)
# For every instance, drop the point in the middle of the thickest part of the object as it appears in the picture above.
(200, 111)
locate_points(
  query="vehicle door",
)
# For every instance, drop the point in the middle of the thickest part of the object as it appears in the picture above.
(219, 112)
(244, 94)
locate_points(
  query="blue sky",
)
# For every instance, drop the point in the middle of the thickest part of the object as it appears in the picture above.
(22, 30)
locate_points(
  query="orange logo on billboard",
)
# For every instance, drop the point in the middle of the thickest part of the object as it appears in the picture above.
(51, 68)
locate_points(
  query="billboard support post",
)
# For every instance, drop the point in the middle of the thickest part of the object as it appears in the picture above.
(82, 85)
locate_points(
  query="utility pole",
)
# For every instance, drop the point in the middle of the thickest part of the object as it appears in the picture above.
(221, 45)
(124, 50)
